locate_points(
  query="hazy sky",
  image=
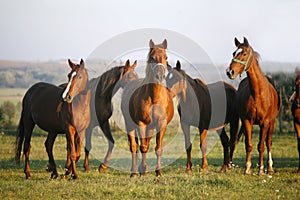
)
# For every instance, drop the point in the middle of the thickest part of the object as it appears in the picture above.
(43, 30)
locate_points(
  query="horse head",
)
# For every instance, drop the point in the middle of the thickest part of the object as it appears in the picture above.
(176, 80)
(241, 57)
(128, 73)
(78, 81)
(157, 61)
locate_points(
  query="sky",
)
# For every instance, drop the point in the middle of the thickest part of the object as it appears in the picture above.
(52, 30)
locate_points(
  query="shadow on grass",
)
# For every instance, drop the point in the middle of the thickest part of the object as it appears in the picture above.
(10, 164)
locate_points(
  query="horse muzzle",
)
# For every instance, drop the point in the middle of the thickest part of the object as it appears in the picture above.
(68, 98)
(230, 73)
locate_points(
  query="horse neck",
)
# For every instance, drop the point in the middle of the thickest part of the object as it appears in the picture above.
(256, 78)
(110, 90)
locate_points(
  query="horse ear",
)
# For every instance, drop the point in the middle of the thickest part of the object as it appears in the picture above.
(151, 43)
(81, 63)
(178, 65)
(168, 66)
(236, 42)
(71, 64)
(165, 43)
(127, 64)
(246, 43)
(134, 64)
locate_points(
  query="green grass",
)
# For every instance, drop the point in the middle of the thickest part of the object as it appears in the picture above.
(174, 184)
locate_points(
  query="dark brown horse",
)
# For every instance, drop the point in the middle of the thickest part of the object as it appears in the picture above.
(296, 114)
(147, 107)
(196, 109)
(103, 89)
(257, 102)
(56, 110)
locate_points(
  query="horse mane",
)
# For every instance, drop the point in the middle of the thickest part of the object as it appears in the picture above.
(108, 79)
(256, 55)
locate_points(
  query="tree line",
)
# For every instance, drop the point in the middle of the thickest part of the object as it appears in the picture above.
(9, 112)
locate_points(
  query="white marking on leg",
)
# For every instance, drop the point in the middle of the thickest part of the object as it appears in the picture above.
(270, 161)
(68, 86)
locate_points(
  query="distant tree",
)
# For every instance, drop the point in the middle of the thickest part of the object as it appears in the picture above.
(8, 111)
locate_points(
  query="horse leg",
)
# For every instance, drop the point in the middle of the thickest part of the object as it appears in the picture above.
(158, 149)
(298, 136)
(234, 126)
(88, 147)
(188, 146)
(106, 130)
(26, 149)
(248, 145)
(49, 148)
(224, 140)
(269, 145)
(203, 147)
(262, 135)
(72, 150)
(144, 149)
(297, 129)
(133, 149)
(68, 167)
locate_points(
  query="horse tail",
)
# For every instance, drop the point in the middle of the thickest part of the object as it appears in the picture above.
(241, 132)
(19, 139)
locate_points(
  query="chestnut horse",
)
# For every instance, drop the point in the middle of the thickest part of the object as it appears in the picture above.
(257, 102)
(103, 89)
(56, 110)
(148, 107)
(296, 114)
(195, 109)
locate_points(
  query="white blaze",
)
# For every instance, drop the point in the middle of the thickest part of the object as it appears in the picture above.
(68, 86)
(238, 51)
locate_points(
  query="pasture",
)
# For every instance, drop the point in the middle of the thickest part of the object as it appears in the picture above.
(174, 184)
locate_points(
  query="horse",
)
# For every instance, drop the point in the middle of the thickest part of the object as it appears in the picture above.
(258, 102)
(195, 109)
(296, 114)
(103, 89)
(147, 107)
(56, 110)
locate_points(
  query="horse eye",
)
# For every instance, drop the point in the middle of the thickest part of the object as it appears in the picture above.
(244, 54)
(79, 77)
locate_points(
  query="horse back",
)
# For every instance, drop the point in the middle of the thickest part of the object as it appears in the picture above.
(40, 105)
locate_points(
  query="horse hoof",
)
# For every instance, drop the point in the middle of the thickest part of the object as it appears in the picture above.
(54, 175)
(158, 172)
(75, 177)
(64, 176)
(270, 170)
(188, 171)
(298, 171)
(261, 172)
(28, 177)
(203, 170)
(86, 168)
(247, 172)
(143, 170)
(223, 169)
(133, 175)
(102, 168)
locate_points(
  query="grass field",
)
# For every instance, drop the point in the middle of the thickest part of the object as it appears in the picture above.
(174, 184)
